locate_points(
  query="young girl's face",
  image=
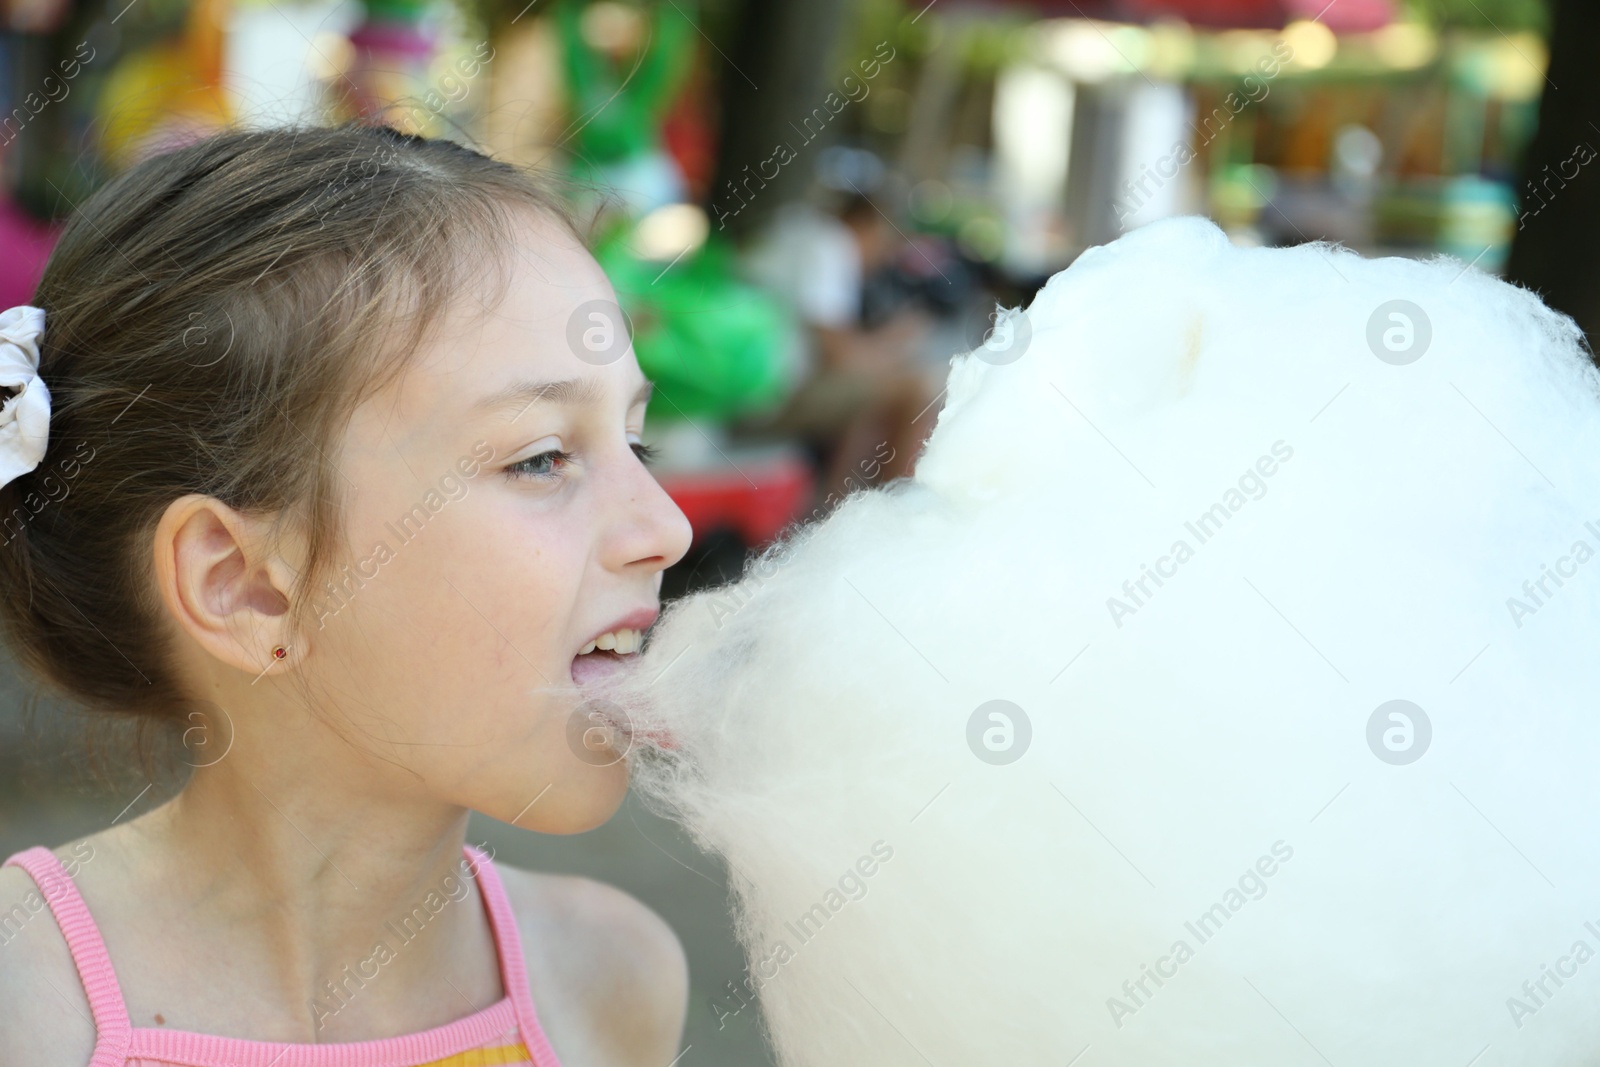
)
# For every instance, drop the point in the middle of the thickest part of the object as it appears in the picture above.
(492, 534)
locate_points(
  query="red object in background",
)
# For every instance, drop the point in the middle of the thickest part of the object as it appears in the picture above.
(27, 242)
(687, 131)
(1236, 13)
(756, 499)
(1346, 16)
(1341, 16)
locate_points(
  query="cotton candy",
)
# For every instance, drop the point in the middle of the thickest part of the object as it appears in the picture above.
(1219, 691)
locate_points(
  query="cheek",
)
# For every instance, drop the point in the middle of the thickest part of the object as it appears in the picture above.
(456, 618)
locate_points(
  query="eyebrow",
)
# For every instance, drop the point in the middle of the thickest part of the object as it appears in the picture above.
(524, 394)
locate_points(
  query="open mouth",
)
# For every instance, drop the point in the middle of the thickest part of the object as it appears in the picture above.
(604, 654)
(592, 666)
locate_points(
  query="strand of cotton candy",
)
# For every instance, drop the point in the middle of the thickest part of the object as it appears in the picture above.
(823, 703)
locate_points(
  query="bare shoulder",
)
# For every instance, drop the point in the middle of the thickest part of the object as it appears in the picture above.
(44, 1014)
(610, 979)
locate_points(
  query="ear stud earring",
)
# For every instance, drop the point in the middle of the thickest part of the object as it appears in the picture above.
(278, 653)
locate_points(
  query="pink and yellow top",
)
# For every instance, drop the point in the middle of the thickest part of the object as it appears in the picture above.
(505, 1034)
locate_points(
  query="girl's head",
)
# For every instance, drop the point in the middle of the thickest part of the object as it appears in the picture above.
(301, 397)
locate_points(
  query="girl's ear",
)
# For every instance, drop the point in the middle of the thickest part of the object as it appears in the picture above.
(220, 583)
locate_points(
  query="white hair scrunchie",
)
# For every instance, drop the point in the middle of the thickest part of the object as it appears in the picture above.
(25, 418)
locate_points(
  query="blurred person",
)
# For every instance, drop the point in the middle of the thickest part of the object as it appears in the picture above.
(863, 396)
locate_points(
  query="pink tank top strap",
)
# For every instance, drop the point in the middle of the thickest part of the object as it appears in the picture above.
(112, 1027)
(513, 966)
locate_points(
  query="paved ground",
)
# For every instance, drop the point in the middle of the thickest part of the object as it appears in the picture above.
(42, 802)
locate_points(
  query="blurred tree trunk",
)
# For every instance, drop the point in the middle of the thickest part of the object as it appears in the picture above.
(774, 74)
(1556, 250)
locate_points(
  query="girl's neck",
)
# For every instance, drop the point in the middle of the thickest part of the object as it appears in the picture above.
(297, 836)
(268, 884)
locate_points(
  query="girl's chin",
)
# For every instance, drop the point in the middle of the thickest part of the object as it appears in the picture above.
(583, 800)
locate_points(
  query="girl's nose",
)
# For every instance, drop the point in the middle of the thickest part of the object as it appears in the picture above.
(656, 533)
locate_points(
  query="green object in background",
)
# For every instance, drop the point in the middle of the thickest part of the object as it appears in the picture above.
(1408, 212)
(1239, 193)
(620, 110)
(713, 344)
(404, 11)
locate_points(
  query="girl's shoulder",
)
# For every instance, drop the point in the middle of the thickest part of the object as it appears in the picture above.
(609, 977)
(44, 1015)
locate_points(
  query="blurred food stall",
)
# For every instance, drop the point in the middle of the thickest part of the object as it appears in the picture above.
(1387, 129)
(977, 148)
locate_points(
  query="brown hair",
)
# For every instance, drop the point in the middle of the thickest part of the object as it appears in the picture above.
(213, 317)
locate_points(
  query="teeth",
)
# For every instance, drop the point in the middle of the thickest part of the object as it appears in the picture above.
(622, 642)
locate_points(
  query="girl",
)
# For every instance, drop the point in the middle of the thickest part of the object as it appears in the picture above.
(344, 482)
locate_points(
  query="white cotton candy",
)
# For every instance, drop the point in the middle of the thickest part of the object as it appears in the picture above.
(1198, 770)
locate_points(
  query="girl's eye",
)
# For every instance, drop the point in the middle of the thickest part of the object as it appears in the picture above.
(540, 466)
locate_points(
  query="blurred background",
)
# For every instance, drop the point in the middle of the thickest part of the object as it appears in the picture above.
(807, 207)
